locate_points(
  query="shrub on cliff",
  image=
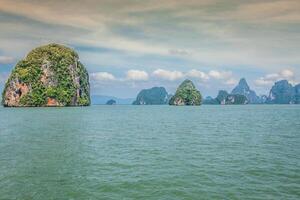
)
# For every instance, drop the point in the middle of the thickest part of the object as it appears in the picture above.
(50, 75)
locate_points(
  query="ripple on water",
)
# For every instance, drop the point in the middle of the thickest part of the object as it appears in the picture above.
(150, 152)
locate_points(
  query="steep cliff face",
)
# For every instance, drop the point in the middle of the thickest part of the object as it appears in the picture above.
(236, 99)
(297, 94)
(152, 96)
(186, 94)
(243, 89)
(221, 98)
(50, 75)
(282, 93)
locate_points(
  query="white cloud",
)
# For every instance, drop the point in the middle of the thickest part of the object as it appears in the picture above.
(137, 75)
(287, 73)
(6, 60)
(220, 74)
(102, 76)
(198, 74)
(168, 75)
(231, 81)
(140, 75)
(225, 77)
(269, 79)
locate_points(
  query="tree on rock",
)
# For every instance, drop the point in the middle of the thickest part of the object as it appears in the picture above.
(186, 94)
(50, 75)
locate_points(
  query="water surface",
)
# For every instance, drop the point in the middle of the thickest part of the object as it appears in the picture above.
(150, 152)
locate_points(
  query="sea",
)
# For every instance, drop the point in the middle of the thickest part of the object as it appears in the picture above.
(125, 152)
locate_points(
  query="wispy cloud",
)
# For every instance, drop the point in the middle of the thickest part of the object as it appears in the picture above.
(198, 74)
(137, 75)
(269, 79)
(195, 31)
(168, 75)
(220, 74)
(102, 76)
(178, 52)
(6, 60)
(162, 74)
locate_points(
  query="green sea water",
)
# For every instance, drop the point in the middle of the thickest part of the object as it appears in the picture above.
(150, 152)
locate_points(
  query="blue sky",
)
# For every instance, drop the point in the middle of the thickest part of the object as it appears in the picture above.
(129, 45)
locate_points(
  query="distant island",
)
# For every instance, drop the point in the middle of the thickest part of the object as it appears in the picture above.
(281, 93)
(103, 99)
(224, 98)
(111, 102)
(186, 95)
(152, 96)
(50, 75)
(240, 95)
(284, 93)
(243, 89)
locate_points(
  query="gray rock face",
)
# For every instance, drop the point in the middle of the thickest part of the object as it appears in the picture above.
(221, 98)
(111, 102)
(282, 93)
(152, 96)
(243, 89)
(263, 99)
(210, 100)
(297, 94)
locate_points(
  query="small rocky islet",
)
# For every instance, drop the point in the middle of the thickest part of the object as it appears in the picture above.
(186, 95)
(49, 75)
(111, 102)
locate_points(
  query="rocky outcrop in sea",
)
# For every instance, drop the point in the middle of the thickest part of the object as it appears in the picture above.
(152, 96)
(50, 75)
(186, 94)
(111, 102)
(243, 89)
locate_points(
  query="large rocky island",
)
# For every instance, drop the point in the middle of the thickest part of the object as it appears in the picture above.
(50, 75)
(186, 94)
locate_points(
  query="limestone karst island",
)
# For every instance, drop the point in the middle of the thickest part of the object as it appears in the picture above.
(186, 94)
(50, 75)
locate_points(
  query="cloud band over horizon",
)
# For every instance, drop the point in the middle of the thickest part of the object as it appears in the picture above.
(161, 42)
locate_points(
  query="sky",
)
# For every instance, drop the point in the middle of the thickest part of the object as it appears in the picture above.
(129, 45)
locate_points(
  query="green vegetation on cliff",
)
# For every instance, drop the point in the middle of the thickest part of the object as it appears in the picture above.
(50, 72)
(186, 94)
